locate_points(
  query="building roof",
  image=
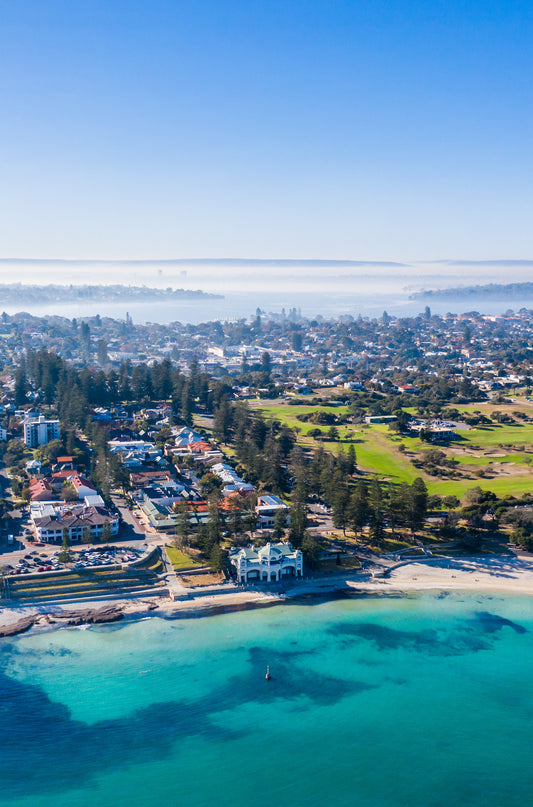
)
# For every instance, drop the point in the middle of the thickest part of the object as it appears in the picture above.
(269, 501)
(94, 500)
(199, 446)
(80, 517)
(267, 552)
(40, 487)
(140, 478)
(185, 436)
(78, 481)
(61, 476)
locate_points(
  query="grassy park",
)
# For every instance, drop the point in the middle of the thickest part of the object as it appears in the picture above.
(180, 560)
(497, 457)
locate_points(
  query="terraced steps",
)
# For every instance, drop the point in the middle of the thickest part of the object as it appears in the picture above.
(95, 594)
(84, 583)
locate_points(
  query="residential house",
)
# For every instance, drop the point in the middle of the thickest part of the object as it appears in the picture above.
(230, 478)
(185, 436)
(267, 507)
(40, 490)
(82, 486)
(33, 467)
(135, 453)
(138, 479)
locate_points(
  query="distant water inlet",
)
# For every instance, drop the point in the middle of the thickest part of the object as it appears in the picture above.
(168, 291)
(375, 701)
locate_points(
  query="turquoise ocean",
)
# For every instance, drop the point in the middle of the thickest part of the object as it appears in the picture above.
(419, 701)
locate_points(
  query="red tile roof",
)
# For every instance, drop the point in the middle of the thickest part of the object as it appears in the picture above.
(40, 488)
(80, 481)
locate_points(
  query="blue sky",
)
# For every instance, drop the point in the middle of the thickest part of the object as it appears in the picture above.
(366, 130)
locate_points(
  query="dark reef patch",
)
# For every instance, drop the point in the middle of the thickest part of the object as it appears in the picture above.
(428, 641)
(30, 721)
(491, 623)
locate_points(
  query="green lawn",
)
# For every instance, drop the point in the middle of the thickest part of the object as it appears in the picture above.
(484, 461)
(494, 436)
(179, 559)
(286, 413)
(377, 448)
(501, 486)
(377, 453)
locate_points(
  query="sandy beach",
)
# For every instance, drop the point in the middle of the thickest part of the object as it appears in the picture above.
(505, 573)
(499, 573)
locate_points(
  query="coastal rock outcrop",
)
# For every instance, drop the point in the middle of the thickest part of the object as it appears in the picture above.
(21, 626)
(89, 616)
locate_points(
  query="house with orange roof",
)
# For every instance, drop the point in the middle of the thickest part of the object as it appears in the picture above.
(82, 486)
(40, 490)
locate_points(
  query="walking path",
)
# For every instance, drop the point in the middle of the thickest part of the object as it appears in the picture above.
(176, 590)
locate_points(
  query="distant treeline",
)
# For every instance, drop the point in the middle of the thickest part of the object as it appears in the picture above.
(19, 292)
(497, 290)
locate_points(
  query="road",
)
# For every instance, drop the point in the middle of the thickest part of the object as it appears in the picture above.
(15, 525)
(131, 528)
(320, 519)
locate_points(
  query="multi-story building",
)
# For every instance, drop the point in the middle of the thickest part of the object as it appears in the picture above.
(267, 508)
(39, 431)
(269, 564)
(51, 521)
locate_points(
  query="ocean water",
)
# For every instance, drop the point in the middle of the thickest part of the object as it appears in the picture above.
(327, 290)
(423, 701)
(242, 305)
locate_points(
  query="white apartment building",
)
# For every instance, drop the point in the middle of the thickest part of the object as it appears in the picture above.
(39, 431)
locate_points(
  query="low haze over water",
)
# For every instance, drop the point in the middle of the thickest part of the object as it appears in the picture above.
(317, 288)
(422, 701)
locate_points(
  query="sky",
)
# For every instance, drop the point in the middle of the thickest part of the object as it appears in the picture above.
(324, 129)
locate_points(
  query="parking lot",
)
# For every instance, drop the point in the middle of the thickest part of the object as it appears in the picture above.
(38, 561)
(106, 556)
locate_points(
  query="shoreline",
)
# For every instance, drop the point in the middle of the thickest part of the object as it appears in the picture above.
(491, 574)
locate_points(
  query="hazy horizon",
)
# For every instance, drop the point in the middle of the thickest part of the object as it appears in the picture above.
(237, 275)
(317, 287)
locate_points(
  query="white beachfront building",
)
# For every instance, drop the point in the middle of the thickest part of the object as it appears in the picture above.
(271, 563)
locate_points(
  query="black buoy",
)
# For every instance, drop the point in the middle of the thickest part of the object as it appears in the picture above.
(267, 676)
